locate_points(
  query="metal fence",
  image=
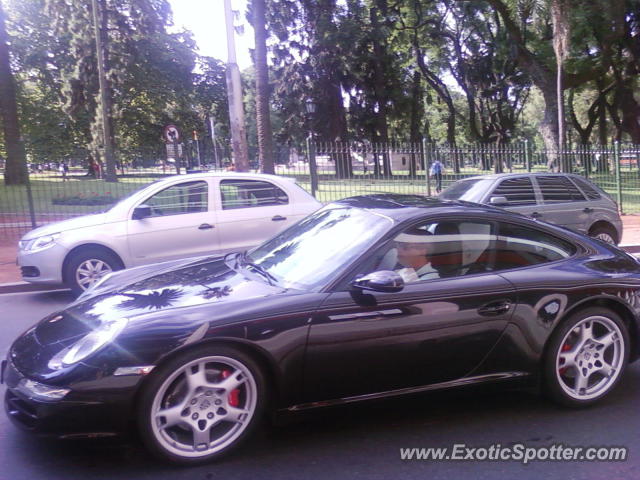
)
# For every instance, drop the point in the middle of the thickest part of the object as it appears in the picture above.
(328, 170)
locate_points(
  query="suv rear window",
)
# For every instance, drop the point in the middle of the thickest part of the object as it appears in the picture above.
(517, 191)
(558, 188)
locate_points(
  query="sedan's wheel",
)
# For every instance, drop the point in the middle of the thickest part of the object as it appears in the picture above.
(88, 266)
(586, 357)
(201, 405)
(606, 234)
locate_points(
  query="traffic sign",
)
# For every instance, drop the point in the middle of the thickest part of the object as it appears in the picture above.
(171, 134)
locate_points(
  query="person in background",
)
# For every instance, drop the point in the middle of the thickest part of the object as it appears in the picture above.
(437, 169)
(63, 169)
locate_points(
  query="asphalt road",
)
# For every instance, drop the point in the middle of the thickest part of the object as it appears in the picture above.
(359, 441)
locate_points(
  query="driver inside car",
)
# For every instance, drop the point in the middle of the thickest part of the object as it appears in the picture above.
(414, 250)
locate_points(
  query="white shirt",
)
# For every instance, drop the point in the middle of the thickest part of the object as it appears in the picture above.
(423, 273)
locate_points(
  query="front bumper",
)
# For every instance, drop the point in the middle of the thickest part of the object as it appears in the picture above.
(86, 413)
(45, 264)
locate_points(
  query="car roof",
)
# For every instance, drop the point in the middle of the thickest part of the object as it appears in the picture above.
(226, 174)
(400, 207)
(494, 176)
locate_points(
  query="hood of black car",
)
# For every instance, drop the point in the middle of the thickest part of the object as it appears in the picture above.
(197, 284)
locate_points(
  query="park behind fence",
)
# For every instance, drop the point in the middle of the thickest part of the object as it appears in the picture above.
(328, 170)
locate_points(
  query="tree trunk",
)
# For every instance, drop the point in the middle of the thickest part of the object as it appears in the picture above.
(263, 120)
(549, 128)
(15, 171)
(414, 123)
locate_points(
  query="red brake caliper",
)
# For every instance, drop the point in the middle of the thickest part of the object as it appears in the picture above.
(234, 395)
(565, 348)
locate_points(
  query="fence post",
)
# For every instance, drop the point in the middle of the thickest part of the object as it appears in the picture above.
(32, 213)
(527, 155)
(313, 170)
(427, 165)
(616, 159)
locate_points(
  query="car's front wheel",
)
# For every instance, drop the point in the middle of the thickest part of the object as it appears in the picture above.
(586, 357)
(201, 404)
(88, 265)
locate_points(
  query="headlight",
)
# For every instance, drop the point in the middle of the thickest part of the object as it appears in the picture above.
(89, 344)
(40, 243)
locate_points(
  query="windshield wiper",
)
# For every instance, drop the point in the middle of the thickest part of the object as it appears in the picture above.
(242, 257)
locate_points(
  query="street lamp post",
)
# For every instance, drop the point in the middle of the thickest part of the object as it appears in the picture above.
(311, 107)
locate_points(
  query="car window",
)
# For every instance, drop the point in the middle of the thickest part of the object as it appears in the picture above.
(517, 191)
(433, 250)
(188, 197)
(558, 188)
(465, 189)
(518, 246)
(307, 254)
(250, 193)
(588, 189)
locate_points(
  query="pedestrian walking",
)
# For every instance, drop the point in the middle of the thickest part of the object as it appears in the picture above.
(436, 172)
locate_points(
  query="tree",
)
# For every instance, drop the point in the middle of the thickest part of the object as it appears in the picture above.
(16, 169)
(263, 120)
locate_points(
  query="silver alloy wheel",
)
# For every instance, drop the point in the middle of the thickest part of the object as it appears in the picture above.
(605, 237)
(90, 271)
(590, 358)
(204, 406)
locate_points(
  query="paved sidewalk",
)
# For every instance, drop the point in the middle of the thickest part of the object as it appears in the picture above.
(10, 273)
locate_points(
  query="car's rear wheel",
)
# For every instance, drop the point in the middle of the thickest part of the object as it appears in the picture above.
(586, 357)
(87, 266)
(605, 233)
(201, 405)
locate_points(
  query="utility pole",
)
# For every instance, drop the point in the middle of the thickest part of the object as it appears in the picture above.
(234, 93)
(105, 103)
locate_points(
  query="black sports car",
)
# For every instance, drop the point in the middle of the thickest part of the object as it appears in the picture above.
(369, 297)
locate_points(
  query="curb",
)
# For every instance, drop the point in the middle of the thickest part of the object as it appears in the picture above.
(25, 287)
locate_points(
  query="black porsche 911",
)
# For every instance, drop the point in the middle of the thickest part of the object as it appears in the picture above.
(369, 297)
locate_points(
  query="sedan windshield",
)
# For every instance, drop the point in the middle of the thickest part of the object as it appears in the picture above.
(466, 189)
(306, 255)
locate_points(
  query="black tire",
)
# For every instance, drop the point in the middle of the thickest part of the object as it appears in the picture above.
(83, 255)
(561, 378)
(605, 232)
(155, 392)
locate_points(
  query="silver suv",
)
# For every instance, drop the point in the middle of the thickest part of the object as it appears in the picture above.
(564, 199)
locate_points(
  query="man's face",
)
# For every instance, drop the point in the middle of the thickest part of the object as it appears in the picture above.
(412, 255)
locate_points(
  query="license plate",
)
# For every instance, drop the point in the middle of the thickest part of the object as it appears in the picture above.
(3, 367)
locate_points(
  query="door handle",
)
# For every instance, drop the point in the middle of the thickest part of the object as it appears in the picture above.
(536, 215)
(587, 210)
(278, 218)
(494, 308)
(205, 226)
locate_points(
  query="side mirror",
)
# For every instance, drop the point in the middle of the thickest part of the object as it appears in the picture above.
(383, 281)
(141, 211)
(498, 201)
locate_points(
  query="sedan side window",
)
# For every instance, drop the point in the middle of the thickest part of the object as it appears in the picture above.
(518, 246)
(188, 197)
(250, 193)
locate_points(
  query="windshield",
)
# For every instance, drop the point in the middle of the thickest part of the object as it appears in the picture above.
(307, 254)
(132, 193)
(466, 189)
